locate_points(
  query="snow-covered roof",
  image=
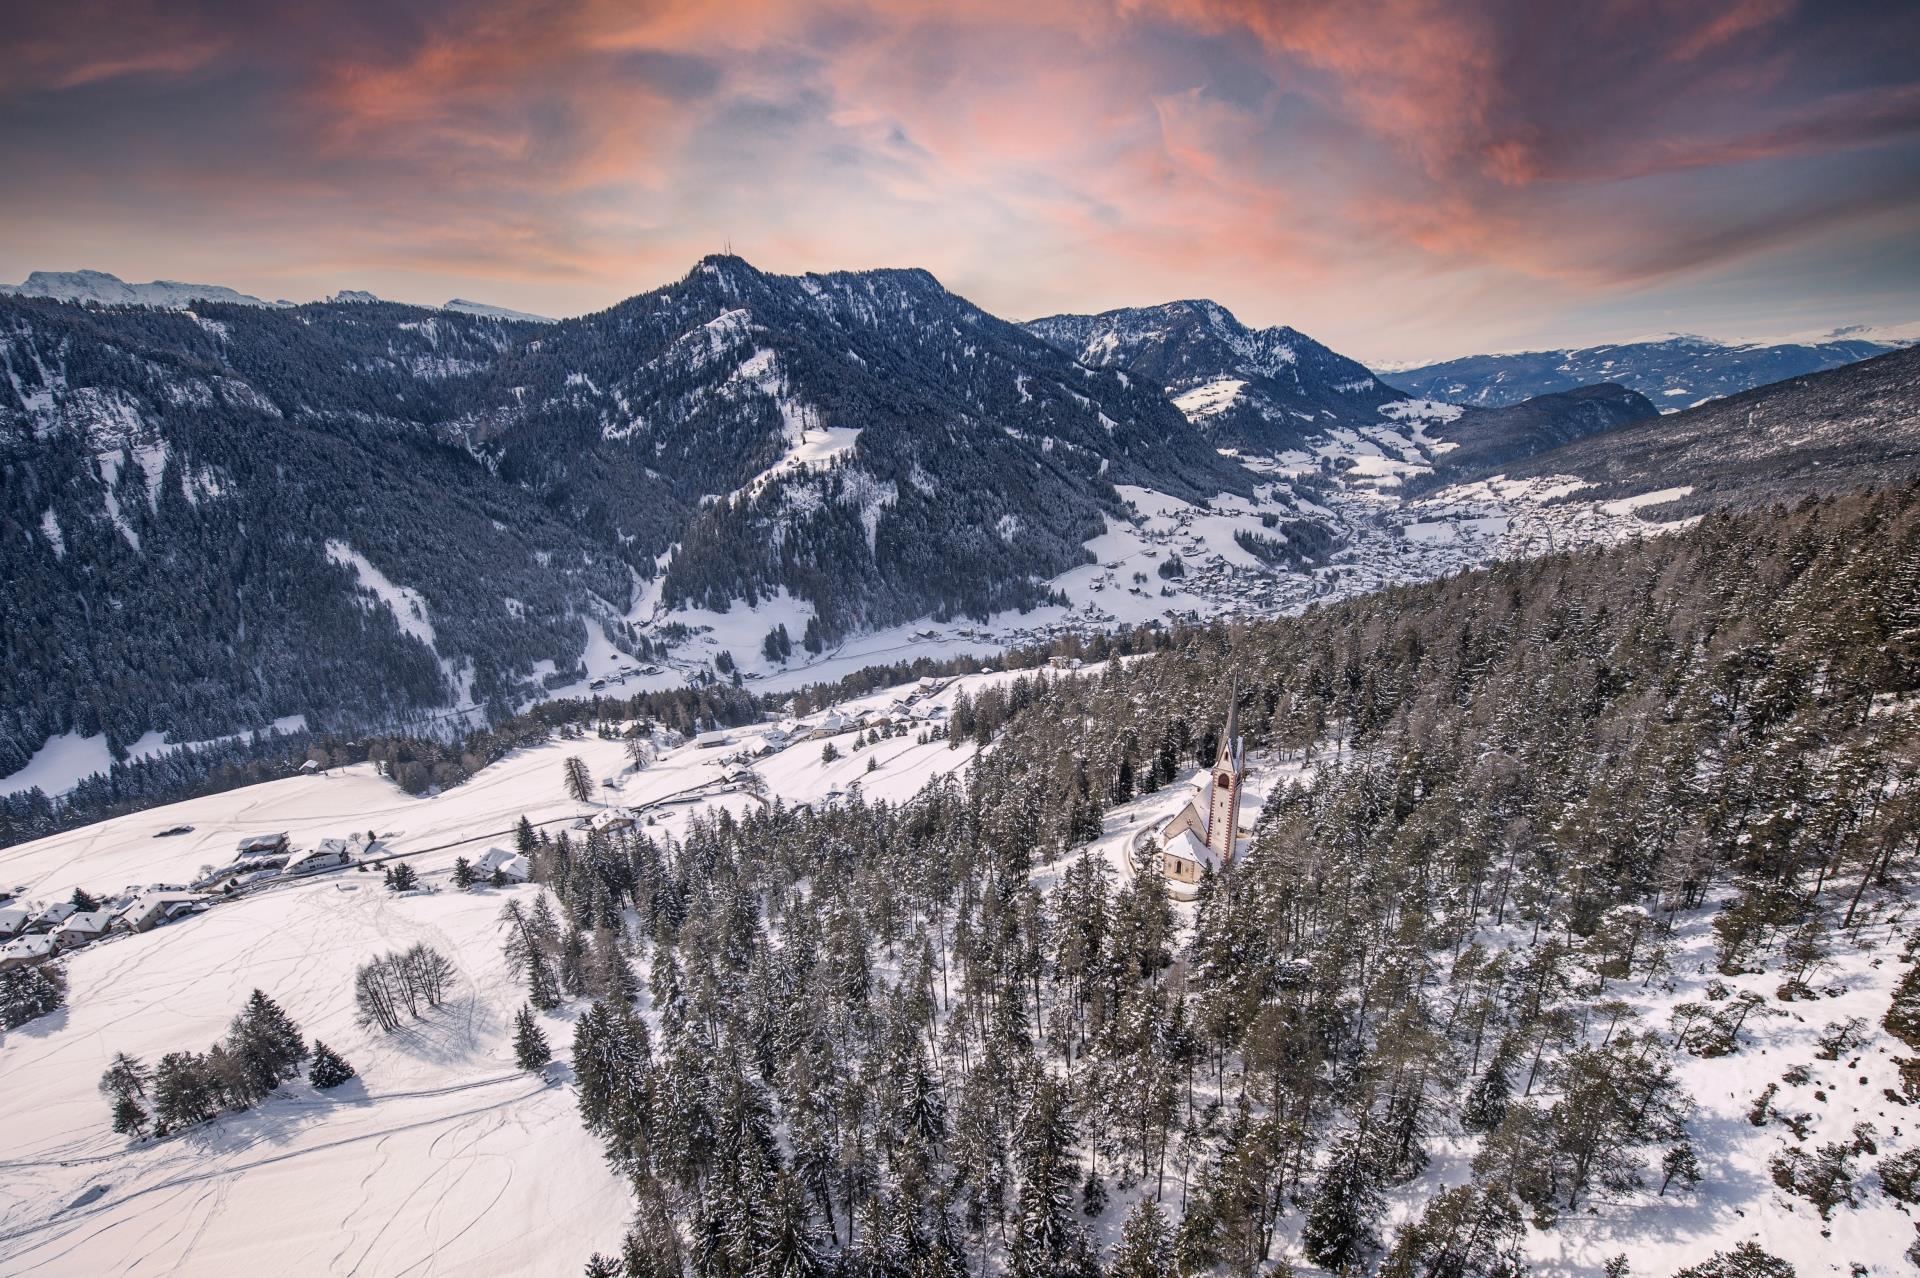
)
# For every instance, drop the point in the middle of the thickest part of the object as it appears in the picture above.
(28, 947)
(57, 912)
(493, 857)
(87, 921)
(1187, 844)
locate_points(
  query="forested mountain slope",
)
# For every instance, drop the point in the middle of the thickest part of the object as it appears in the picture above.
(1263, 389)
(1847, 428)
(1462, 953)
(362, 511)
(1574, 932)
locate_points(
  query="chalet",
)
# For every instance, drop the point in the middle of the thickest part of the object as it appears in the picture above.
(51, 917)
(609, 819)
(511, 865)
(713, 740)
(151, 909)
(13, 921)
(82, 929)
(328, 854)
(26, 950)
(263, 845)
(832, 725)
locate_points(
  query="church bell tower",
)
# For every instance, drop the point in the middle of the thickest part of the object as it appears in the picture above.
(1223, 790)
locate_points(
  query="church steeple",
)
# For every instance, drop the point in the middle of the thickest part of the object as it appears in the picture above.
(1223, 787)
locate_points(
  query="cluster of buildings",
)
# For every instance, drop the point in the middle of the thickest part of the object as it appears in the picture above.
(32, 933)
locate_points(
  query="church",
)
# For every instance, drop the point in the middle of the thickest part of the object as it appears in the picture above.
(1206, 836)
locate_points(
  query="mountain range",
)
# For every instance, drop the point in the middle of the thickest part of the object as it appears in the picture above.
(1675, 371)
(102, 289)
(364, 512)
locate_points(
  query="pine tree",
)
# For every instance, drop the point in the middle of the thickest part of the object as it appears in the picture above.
(83, 900)
(130, 1117)
(462, 873)
(1146, 1244)
(266, 1043)
(1047, 1243)
(401, 877)
(1339, 1226)
(1486, 1103)
(329, 1068)
(579, 782)
(530, 1050)
(524, 840)
(27, 993)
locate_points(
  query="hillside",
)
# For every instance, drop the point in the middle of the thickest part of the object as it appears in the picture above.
(1556, 869)
(1258, 389)
(1832, 432)
(1674, 372)
(405, 510)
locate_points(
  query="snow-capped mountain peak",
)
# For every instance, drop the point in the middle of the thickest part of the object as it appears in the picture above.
(110, 290)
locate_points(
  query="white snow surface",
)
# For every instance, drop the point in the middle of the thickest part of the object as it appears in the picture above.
(68, 759)
(440, 1157)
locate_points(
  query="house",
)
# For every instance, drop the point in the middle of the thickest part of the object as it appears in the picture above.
(832, 725)
(51, 917)
(328, 854)
(263, 845)
(713, 740)
(82, 929)
(26, 950)
(510, 864)
(151, 909)
(13, 921)
(609, 819)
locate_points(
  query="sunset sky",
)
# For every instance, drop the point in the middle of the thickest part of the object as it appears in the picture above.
(1402, 179)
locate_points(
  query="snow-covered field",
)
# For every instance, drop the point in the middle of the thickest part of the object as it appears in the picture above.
(441, 1157)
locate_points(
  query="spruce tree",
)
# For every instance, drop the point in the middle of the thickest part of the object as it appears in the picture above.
(530, 1050)
(1146, 1244)
(462, 873)
(1339, 1226)
(329, 1068)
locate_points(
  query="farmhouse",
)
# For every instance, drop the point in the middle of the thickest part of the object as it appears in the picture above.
(51, 917)
(263, 845)
(328, 854)
(26, 950)
(510, 864)
(609, 819)
(82, 929)
(151, 909)
(13, 921)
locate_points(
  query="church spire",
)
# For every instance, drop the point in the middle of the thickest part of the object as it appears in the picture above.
(1228, 756)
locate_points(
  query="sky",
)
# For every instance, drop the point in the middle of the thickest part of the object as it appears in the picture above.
(1402, 179)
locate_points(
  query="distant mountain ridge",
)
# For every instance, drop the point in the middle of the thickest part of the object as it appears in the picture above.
(1677, 371)
(104, 289)
(1263, 389)
(110, 290)
(1842, 429)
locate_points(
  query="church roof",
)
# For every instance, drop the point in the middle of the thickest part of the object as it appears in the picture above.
(1187, 844)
